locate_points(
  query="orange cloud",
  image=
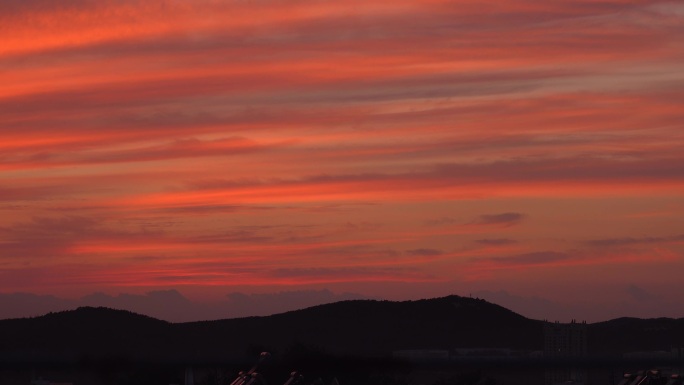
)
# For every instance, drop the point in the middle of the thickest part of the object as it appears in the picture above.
(216, 143)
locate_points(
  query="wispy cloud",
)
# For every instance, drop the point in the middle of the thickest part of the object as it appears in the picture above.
(171, 305)
(201, 144)
(531, 259)
(503, 219)
(496, 241)
(640, 294)
(629, 241)
(424, 252)
(336, 274)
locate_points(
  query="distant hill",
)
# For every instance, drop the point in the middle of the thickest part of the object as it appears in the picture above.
(634, 334)
(360, 327)
(80, 334)
(369, 327)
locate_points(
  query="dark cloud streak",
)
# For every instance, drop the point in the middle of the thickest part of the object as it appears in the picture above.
(629, 241)
(496, 241)
(531, 259)
(503, 219)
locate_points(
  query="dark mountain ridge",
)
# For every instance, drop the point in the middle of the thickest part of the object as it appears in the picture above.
(360, 327)
(78, 334)
(375, 328)
(635, 334)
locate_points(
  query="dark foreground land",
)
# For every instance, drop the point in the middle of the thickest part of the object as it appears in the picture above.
(353, 342)
(322, 371)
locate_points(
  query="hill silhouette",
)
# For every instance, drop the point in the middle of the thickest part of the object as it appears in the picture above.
(635, 334)
(81, 334)
(364, 328)
(372, 328)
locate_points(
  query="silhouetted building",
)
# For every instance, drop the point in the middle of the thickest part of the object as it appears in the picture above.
(189, 376)
(677, 353)
(565, 340)
(565, 343)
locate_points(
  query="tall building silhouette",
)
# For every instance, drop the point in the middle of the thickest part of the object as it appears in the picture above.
(189, 376)
(567, 344)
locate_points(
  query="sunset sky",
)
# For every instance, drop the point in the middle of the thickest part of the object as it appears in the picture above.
(530, 152)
